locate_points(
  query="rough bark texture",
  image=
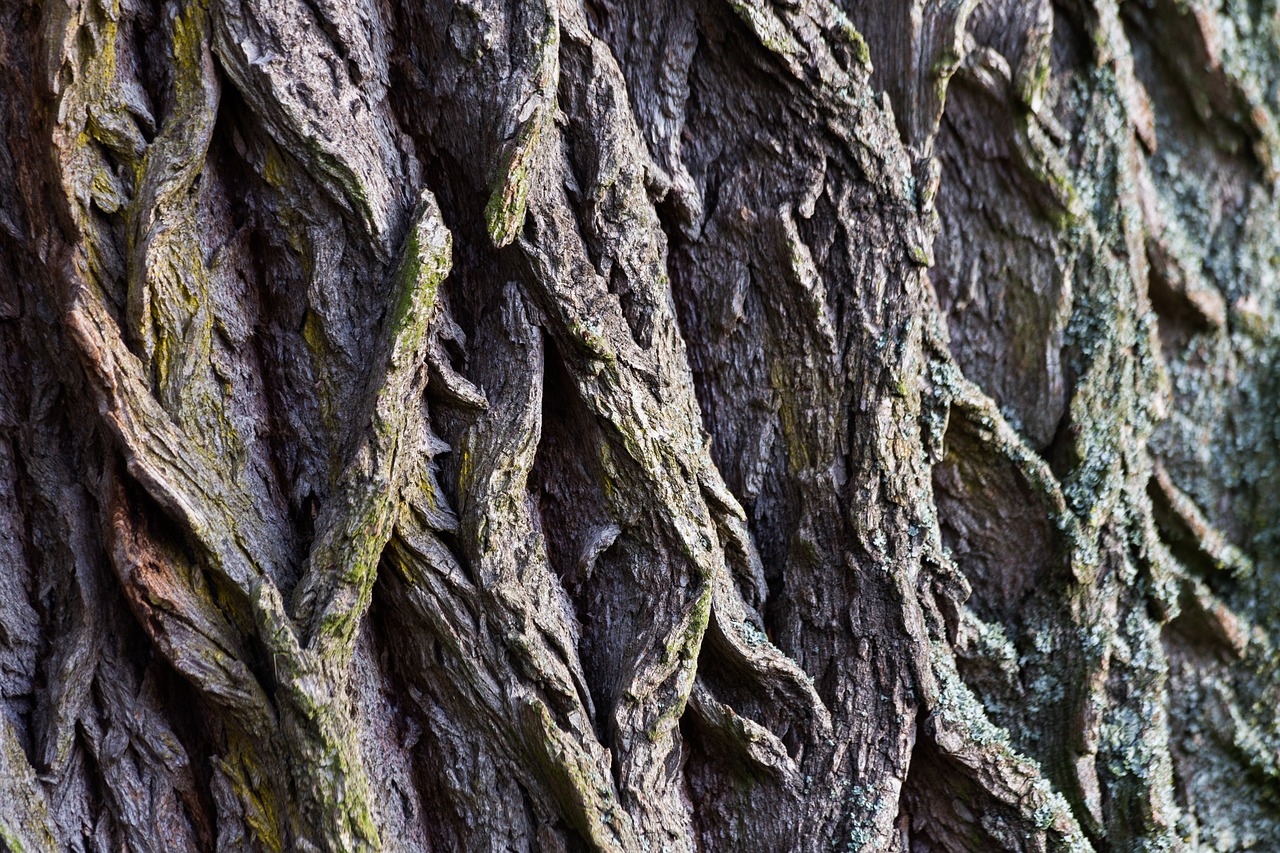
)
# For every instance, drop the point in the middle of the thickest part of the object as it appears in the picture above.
(639, 425)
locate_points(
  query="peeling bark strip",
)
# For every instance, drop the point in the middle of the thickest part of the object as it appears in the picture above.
(639, 425)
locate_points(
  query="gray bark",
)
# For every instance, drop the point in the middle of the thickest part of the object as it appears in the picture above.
(639, 425)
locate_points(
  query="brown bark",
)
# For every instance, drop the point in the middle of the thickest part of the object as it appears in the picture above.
(636, 425)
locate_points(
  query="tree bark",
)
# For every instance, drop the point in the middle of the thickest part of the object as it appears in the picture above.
(639, 425)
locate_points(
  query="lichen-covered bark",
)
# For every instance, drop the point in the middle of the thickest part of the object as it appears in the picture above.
(639, 424)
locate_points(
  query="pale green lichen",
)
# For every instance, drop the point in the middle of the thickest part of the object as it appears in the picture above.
(961, 711)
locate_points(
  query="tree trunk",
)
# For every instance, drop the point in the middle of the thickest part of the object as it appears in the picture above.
(639, 425)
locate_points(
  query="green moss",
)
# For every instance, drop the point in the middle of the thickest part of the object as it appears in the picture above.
(345, 556)
(767, 28)
(505, 211)
(248, 778)
(861, 52)
(12, 841)
(427, 261)
(593, 341)
(189, 44)
(686, 644)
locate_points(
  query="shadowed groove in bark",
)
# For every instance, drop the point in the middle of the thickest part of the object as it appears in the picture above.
(732, 424)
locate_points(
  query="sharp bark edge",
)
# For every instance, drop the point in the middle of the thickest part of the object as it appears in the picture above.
(675, 432)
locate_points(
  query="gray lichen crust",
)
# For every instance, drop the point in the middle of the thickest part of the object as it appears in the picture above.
(639, 425)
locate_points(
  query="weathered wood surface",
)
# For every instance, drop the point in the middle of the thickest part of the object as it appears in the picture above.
(639, 425)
